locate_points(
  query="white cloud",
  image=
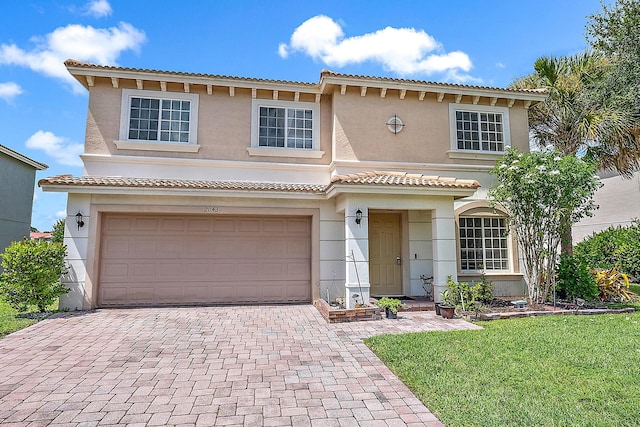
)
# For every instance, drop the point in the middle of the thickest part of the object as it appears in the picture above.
(99, 45)
(454, 76)
(283, 51)
(400, 50)
(61, 214)
(500, 65)
(9, 90)
(63, 150)
(98, 8)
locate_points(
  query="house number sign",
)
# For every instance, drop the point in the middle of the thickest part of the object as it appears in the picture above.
(211, 209)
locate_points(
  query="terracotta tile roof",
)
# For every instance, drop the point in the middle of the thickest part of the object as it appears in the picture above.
(96, 181)
(324, 73)
(80, 64)
(366, 178)
(35, 235)
(404, 179)
(328, 73)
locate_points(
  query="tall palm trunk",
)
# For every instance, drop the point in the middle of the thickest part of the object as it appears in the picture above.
(566, 236)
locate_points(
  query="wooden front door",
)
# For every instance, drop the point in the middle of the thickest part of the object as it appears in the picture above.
(384, 250)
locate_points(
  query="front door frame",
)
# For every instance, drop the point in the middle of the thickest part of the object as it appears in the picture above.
(402, 243)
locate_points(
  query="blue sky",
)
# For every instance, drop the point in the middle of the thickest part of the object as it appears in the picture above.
(468, 41)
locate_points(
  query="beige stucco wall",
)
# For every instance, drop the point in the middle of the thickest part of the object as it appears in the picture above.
(619, 205)
(224, 123)
(355, 123)
(360, 130)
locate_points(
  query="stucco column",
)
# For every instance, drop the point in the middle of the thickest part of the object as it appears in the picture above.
(356, 244)
(444, 248)
(76, 241)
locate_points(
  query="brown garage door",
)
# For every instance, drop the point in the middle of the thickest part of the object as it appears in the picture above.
(154, 260)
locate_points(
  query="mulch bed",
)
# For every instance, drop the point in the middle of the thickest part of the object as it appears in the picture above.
(504, 309)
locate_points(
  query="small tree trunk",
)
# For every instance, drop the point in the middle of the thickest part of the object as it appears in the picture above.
(566, 236)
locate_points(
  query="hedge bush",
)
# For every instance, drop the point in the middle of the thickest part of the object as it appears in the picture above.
(615, 246)
(575, 280)
(31, 275)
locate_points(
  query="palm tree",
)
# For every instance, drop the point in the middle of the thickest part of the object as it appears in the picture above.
(576, 120)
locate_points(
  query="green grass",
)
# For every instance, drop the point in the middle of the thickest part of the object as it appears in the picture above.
(542, 371)
(12, 320)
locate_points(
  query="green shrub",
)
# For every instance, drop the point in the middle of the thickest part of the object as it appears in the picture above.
(57, 234)
(574, 279)
(483, 290)
(459, 294)
(32, 273)
(614, 246)
(462, 295)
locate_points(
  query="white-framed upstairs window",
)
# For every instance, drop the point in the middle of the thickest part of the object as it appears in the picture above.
(479, 129)
(284, 128)
(153, 117)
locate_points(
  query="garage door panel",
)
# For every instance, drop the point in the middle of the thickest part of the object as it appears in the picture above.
(144, 271)
(141, 295)
(117, 247)
(299, 271)
(224, 225)
(298, 248)
(296, 291)
(113, 295)
(115, 224)
(144, 224)
(171, 270)
(298, 226)
(114, 272)
(143, 248)
(249, 225)
(221, 268)
(197, 293)
(172, 224)
(275, 226)
(199, 248)
(147, 260)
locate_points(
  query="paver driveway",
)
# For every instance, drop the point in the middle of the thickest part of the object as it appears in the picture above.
(249, 365)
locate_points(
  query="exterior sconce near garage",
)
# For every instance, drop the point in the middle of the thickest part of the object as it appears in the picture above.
(79, 220)
(358, 216)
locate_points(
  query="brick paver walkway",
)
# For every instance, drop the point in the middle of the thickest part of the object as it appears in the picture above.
(250, 365)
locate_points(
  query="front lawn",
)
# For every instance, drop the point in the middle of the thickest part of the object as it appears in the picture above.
(541, 371)
(11, 320)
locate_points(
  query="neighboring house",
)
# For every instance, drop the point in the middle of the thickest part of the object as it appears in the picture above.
(17, 179)
(41, 236)
(619, 205)
(200, 188)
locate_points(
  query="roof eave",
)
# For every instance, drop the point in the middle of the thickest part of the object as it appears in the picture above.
(192, 192)
(24, 159)
(337, 189)
(80, 73)
(364, 81)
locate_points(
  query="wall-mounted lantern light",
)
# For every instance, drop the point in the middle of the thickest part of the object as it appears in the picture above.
(79, 220)
(358, 216)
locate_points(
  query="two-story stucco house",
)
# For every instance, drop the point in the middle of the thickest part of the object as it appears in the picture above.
(17, 178)
(201, 188)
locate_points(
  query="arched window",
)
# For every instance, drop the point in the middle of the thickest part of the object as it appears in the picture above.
(483, 240)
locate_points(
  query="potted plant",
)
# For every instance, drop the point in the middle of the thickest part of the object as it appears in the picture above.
(390, 306)
(447, 305)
